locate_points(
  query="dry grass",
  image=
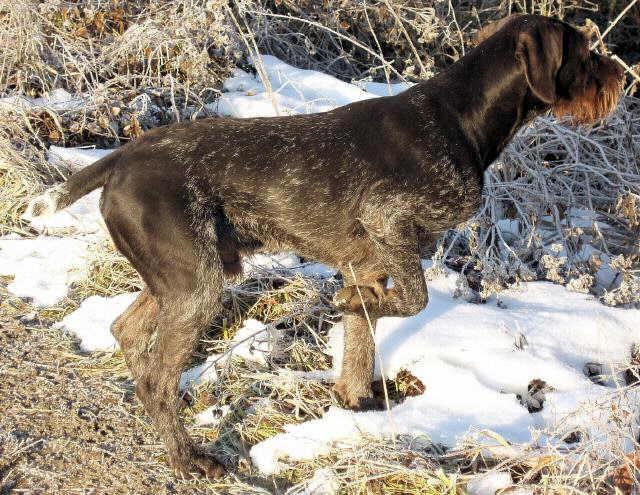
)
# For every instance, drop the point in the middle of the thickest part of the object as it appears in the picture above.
(109, 274)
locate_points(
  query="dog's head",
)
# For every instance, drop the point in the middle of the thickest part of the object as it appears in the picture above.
(560, 68)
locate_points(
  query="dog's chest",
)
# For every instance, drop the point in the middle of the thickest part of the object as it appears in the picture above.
(448, 200)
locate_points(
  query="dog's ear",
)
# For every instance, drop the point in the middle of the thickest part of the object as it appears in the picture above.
(492, 28)
(539, 54)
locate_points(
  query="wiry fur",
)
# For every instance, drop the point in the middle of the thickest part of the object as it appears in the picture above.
(592, 102)
(366, 187)
(47, 203)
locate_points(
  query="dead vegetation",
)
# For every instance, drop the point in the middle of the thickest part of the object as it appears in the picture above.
(562, 204)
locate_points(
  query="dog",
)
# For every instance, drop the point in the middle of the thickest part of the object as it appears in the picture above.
(363, 188)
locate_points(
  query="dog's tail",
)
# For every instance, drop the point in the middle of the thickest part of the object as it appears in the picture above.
(78, 185)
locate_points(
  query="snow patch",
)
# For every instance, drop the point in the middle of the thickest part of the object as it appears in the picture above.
(294, 91)
(91, 322)
(200, 374)
(211, 416)
(323, 482)
(58, 100)
(75, 159)
(82, 217)
(472, 362)
(489, 483)
(43, 268)
(285, 261)
(256, 342)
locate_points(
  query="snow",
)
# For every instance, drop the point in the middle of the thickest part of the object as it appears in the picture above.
(293, 91)
(82, 217)
(489, 483)
(256, 342)
(43, 268)
(91, 322)
(74, 159)
(270, 262)
(290, 262)
(200, 374)
(211, 416)
(323, 482)
(466, 356)
(58, 100)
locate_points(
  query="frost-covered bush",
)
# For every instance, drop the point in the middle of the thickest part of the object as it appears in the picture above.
(562, 204)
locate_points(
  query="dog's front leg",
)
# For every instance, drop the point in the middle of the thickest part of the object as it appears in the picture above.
(407, 297)
(367, 288)
(354, 385)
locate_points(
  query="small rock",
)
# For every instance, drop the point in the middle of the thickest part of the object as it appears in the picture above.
(535, 396)
(595, 373)
(632, 373)
(29, 318)
(573, 437)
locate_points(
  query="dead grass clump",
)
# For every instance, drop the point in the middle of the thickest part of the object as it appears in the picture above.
(88, 44)
(103, 72)
(403, 385)
(23, 171)
(399, 466)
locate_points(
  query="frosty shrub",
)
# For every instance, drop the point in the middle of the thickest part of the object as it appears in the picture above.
(561, 204)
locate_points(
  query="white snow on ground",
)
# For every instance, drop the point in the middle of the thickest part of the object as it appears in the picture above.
(74, 159)
(489, 483)
(202, 373)
(43, 268)
(293, 91)
(323, 482)
(256, 342)
(466, 356)
(58, 100)
(285, 261)
(92, 320)
(82, 217)
(211, 416)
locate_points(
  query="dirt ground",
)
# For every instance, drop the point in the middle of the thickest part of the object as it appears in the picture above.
(70, 423)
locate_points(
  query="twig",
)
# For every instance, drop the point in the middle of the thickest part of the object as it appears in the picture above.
(613, 23)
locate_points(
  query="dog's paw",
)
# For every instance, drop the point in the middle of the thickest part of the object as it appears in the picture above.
(350, 299)
(198, 464)
(363, 401)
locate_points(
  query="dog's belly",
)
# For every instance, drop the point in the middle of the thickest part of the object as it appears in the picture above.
(262, 235)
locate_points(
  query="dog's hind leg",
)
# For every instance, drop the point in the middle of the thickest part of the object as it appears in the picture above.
(133, 330)
(185, 310)
(354, 385)
(184, 278)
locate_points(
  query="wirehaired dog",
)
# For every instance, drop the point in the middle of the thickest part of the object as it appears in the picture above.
(363, 188)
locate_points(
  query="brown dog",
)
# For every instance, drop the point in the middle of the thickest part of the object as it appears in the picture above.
(366, 186)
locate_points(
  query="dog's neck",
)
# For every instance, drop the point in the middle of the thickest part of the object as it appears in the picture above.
(490, 92)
